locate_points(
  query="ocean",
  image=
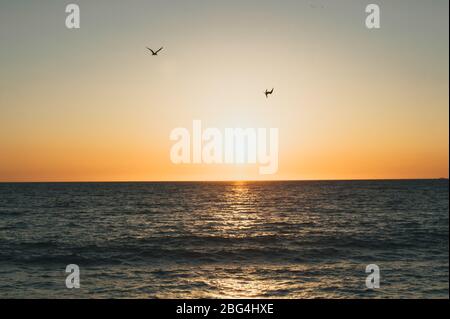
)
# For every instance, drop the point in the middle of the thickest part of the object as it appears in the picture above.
(311, 239)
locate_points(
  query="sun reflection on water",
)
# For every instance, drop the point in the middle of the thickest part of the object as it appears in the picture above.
(240, 218)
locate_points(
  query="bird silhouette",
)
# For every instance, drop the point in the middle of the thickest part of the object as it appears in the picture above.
(267, 93)
(155, 52)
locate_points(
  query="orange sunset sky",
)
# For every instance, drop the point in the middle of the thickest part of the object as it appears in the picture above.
(350, 103)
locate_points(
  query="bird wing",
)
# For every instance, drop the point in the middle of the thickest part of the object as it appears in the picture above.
(151, 50)
(159, 49)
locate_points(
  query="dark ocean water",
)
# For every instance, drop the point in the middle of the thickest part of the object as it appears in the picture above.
(255, 239)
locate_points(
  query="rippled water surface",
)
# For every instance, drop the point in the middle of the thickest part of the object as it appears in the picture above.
(236, 239)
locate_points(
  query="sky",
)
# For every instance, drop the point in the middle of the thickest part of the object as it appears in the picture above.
(92, 104)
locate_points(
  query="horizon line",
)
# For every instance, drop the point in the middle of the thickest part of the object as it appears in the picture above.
(231, 180)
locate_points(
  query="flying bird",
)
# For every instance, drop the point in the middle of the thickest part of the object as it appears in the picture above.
(155, 52)
(267, 93)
